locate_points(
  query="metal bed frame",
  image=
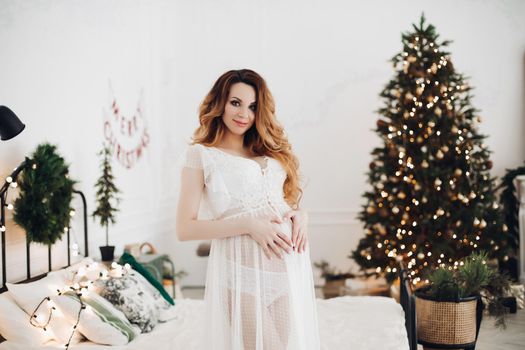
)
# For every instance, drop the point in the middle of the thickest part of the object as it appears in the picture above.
(30, 278)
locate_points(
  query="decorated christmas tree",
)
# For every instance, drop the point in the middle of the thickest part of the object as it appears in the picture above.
(106, 195)
(432, 200)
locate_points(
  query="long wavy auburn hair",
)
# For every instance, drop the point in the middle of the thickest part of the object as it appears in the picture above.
(265, 137)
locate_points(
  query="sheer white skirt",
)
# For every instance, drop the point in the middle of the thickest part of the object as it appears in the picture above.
(258, 303)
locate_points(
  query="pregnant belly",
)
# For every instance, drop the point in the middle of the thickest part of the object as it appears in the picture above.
(245, 252)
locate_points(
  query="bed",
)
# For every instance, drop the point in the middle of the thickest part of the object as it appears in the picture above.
(349, 322)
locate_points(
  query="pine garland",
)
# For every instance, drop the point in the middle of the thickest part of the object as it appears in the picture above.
(44, 205)
(509, 201)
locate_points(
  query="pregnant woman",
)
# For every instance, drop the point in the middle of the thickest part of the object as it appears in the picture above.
(259, 285)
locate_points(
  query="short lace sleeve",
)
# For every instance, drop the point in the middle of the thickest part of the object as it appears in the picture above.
(193, 157)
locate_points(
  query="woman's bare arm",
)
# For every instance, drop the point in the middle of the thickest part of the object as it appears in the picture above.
(187, 225)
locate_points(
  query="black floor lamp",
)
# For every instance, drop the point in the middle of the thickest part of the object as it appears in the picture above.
(10, 126)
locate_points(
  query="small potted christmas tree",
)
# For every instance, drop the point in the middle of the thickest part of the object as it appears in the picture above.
(106, 197)
(450, 307)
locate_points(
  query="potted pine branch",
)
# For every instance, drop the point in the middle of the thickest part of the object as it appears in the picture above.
(334, 280)
(107, 200)
(450, 308)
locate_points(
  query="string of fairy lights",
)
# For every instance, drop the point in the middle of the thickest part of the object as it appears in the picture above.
(81, 285)
(406, 137)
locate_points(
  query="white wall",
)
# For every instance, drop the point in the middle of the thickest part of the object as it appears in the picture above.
(324, 61)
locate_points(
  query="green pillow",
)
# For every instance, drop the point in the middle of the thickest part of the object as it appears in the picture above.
(127, 258)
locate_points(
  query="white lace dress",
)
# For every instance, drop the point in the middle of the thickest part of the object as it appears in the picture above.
(252, 302)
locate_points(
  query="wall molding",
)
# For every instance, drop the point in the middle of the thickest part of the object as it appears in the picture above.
(333, 217)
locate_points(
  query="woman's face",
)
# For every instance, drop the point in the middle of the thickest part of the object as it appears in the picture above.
(239, 111)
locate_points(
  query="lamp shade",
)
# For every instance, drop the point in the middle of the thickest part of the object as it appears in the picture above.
(10, 125)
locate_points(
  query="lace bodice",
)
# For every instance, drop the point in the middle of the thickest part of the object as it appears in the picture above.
(236, 185)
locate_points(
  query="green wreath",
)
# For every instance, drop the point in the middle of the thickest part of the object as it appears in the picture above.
(44, 205)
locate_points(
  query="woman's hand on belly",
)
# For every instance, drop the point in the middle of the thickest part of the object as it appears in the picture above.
(299, 228)
(267, 232)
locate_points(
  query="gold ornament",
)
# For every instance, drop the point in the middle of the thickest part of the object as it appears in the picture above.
(419, 90)
(434, 68)
(424, 163)
(444, 148)
(437, 182)
(483, 223)
(437, 110)
(401, 195)
(371, 210)
(439, 154)
(458, 172)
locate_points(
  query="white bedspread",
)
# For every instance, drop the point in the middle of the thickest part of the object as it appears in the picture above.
(354, 323)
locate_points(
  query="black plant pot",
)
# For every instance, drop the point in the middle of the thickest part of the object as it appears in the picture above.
(107, 252)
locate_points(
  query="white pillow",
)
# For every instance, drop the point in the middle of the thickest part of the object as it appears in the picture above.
(100, 321)
(14, 324)
(29, 295)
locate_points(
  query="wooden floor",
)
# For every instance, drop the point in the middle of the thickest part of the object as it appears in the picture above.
(490, 338)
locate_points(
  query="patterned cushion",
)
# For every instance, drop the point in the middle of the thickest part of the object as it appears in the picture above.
(130, 259)
(142, 304)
